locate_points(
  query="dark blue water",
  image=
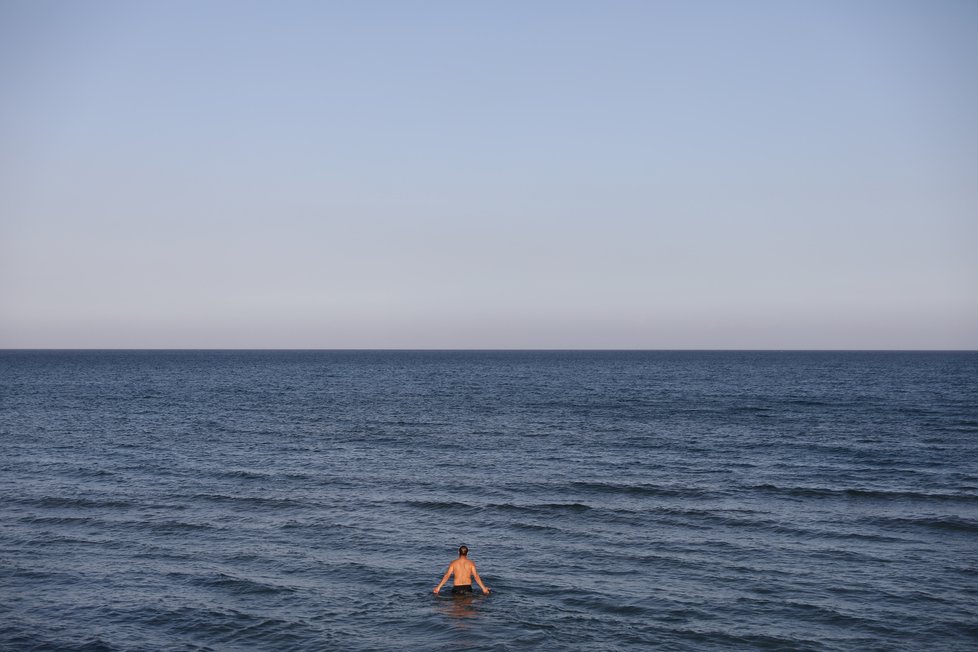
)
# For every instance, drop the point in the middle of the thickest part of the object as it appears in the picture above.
(612, 501)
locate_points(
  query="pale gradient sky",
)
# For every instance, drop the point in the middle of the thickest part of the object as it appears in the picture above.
(533, 174)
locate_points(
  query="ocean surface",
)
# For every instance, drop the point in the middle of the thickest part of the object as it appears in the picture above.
(249, 500)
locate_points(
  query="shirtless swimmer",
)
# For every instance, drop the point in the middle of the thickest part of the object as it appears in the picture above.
(464, 571)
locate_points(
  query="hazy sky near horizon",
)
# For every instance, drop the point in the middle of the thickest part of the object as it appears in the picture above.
(541, 174)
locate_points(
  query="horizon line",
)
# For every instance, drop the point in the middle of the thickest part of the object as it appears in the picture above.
(485, 350)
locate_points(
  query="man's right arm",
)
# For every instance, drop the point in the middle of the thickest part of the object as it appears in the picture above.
(478, 579)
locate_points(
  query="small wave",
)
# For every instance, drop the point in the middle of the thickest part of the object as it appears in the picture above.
(37, 641)
(804, 402)
(879, 494)
(535, 507)
(754, 410)
(60, 520)
(251, 474)
(747, 519)
(244, 474)
(436, 504)
(535, 527)
(74, 503)
(748, 641)
(963, 425)
(572, 507)
(177, 526)
(858, 536)
(600, 605)
(314, 525)
(218, 627)
(258, 501)
(242, 586)
(83, 472)
(706, 519)
(47, 539)
(639, 489)
(40, 576)
(948, 523)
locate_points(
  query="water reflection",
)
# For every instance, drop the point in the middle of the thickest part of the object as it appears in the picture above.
(460, 608)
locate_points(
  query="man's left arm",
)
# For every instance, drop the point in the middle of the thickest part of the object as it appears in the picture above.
(444, 579)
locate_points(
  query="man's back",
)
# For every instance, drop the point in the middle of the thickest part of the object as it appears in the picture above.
(463, 570)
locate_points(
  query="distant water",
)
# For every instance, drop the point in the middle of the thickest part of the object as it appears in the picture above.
(613, 501)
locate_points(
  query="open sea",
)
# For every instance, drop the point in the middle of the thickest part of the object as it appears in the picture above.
(311, 500)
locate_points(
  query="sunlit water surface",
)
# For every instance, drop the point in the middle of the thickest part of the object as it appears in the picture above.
(613, 501)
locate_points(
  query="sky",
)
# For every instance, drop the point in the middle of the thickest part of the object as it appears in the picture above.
(697, 174)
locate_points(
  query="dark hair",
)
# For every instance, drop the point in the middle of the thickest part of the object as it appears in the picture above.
(463, 551)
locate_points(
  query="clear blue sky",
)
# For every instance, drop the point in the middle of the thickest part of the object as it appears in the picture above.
(695, 174)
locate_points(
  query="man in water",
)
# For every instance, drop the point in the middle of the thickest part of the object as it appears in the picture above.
(464, 571)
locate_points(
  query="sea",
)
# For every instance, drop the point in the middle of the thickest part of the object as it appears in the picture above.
(611, 500)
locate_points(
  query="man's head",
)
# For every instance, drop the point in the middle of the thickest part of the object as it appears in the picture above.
(463, 551)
